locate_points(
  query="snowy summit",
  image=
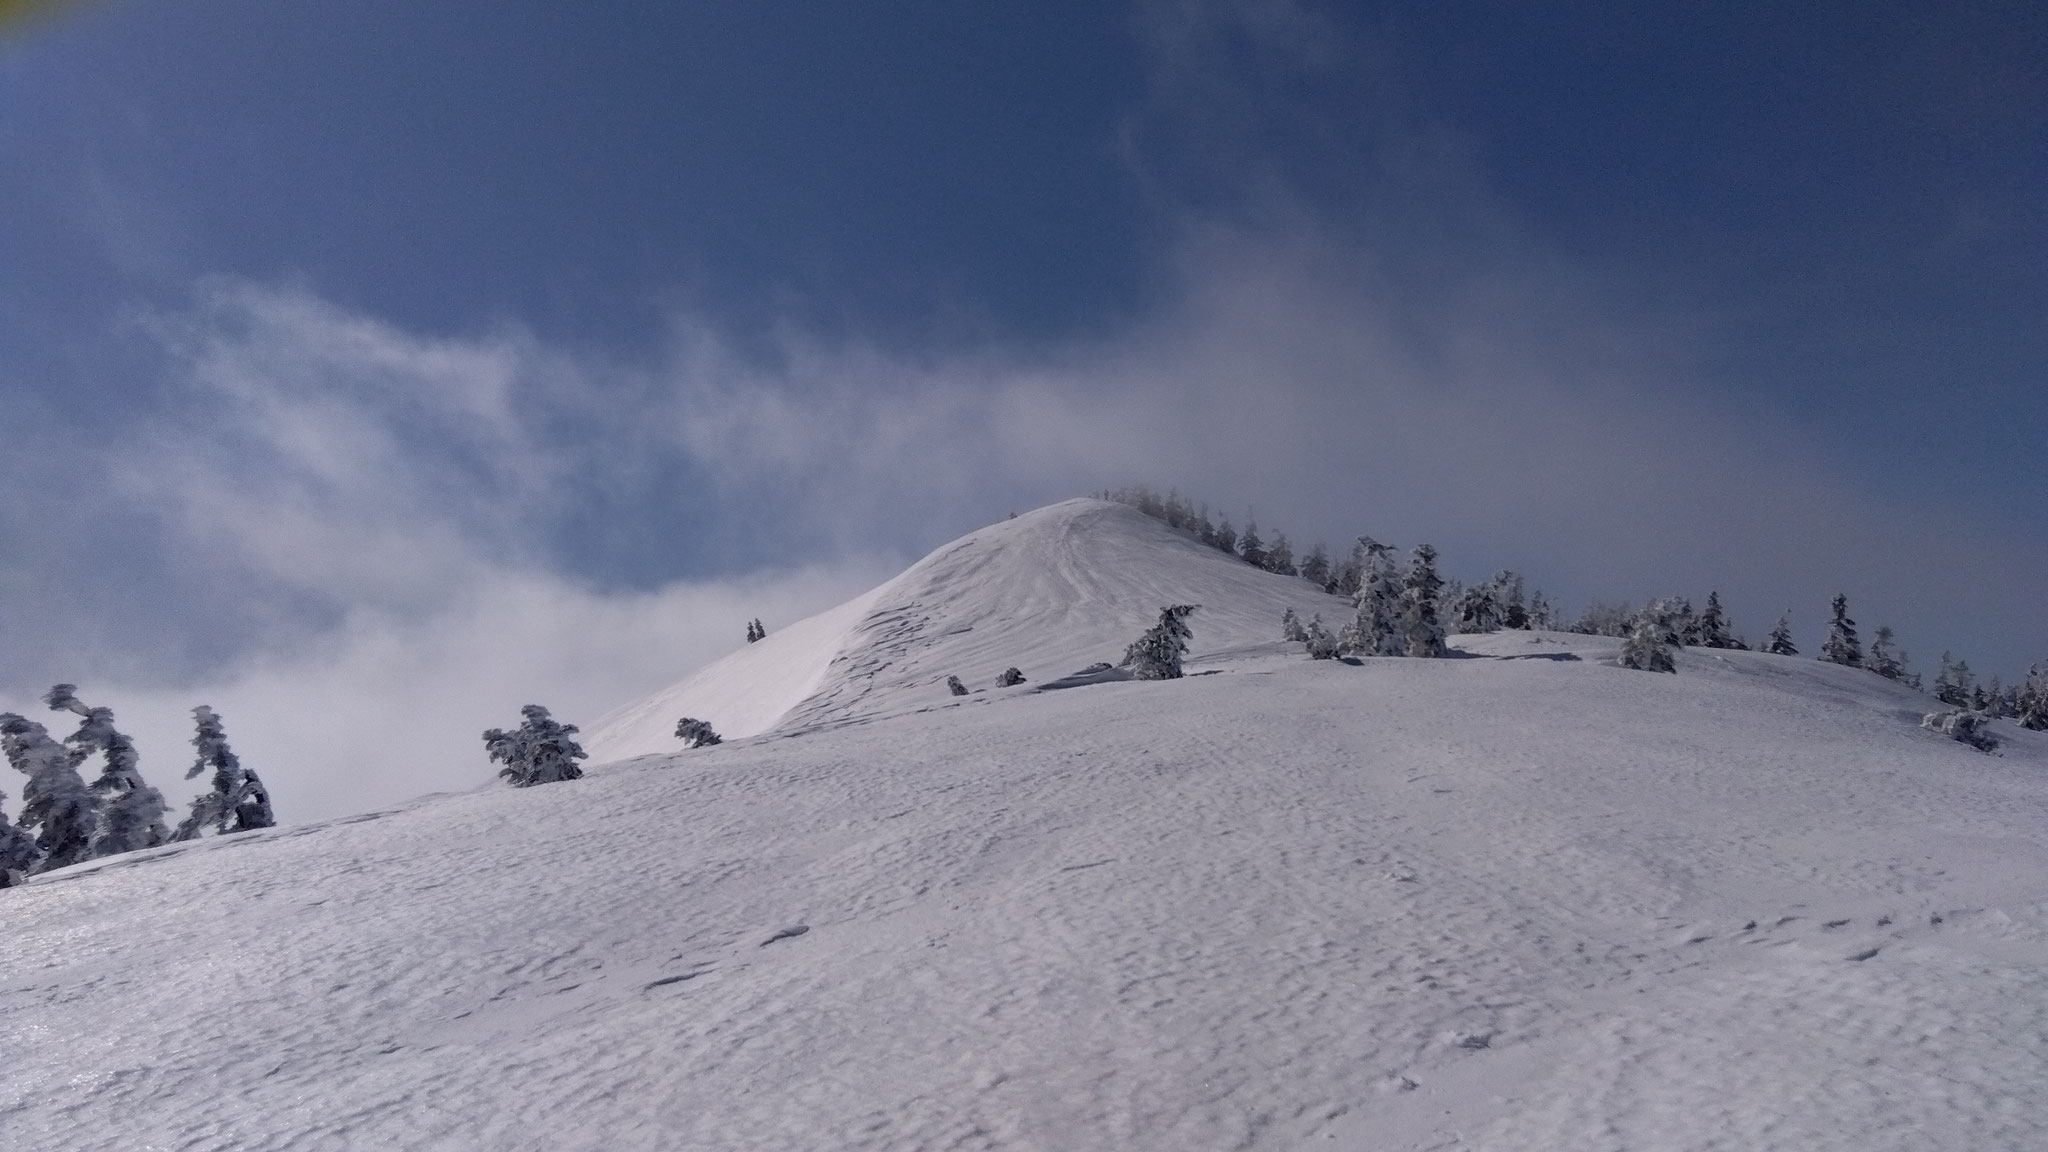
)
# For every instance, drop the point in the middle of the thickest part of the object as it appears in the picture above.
(1518, 898)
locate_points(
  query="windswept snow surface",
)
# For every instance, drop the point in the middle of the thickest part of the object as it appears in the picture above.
(1517, 900)
(1048, 592)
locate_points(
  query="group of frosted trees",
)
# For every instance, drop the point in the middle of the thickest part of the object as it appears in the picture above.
(66, 821)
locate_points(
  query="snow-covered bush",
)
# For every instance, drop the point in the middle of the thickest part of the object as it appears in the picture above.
(1319, 641)
(539, 751)
(954, 686)
(238, 801)
(1647, 647)
(1965, 724)
(695, 733)
(1010, 678)
(1290, 627)
(1157, 654)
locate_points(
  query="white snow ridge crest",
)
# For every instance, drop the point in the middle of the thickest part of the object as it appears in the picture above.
(1518, 899)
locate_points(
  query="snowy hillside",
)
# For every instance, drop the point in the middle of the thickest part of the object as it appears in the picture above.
(1048, 592)
(1520, 899)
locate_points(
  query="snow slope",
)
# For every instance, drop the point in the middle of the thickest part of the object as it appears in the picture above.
(1048, 592)
(1517, 900)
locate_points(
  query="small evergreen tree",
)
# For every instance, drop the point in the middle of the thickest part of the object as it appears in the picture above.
(2030, 706)
(1952, 683)
(1280, 556)
(1780, 643)
(1226, 537)
(539, 751)
(238, 801)
(1842, 647)
(1542, 617)
(695, 733)
(1882, 660)
(1157, 654)
(1507, 594)
(954, 686)
(56, 805)
(1250, 548)
(1290, 627)
(1713, 625)
(18, 852)
(1647, 647)
(1320, 643)
(1376, 628)
(1010, 678)
(1476, 610)
(132, 816)
(1316, 567)
(1421, 632)
(1683, 621)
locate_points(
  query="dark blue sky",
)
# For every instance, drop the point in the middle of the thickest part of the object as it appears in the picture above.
(1744, 237)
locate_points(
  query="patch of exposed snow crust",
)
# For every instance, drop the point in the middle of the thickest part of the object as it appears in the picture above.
(1522, 898)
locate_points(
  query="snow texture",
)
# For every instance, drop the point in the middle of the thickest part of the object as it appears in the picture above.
(1517, 899)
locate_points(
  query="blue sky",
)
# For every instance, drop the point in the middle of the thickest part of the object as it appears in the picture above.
(333, 331)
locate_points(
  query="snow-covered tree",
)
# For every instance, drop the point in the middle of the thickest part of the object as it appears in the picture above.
(1882, 660)
(1713, 625)
(18, 852)
(753, 634)
(1507, 594)
(1010, 678)
(1542, 616)
(1315, 568)
(1318, 640)
(1780, 643)
(1157, 654)
(695, 733)
(1347, 578)
(1421, 632)
(1476, 610)
(1290, 627)
(2030, 703)
(1226, 537)
(237, 802)
(1842, 647)
(56, 805)
(1647, 647)
(540, 751)
(954, 686)
(1376, 628)
(1684, 622)
(1952, 682)
(1280, 556)
(1968, 725)
(1250, 548)
(132, 815)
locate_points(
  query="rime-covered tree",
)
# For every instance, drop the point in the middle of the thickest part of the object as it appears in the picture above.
(540, 751)
(2030, 703)
(1315, 567)
(1647, 647)
(56, 805)
(1541, 615)
(954, 686)
(1422, 633)
(1157, 654)
(237, 802)
(1280, 556)
(18, 852)
(1290, 627)
(1507, 594)
(1375, 629)
(1250, 548)
(1952, 682)
(1347, 578)
(1319, 642)
(1882, 660)
(695, 733)
(132, 816)
(1226, 537)
(1842, 646)
(1475, 610)
(1713, 625)
(1009, 678)
(1780, 643)
(1684, 622)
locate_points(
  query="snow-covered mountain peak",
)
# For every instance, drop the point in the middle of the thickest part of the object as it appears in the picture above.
(1048, 592)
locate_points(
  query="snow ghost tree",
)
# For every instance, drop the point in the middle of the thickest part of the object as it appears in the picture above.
(132, 816)
(237, 802)
(1290, 627)
(1882, 660)
(1157, 654)
(1963, 724)
(539, 751)
(18, 852)
(1780, 643)
(55, 803)
(1476, 610)
(1647, 647)
(1375, 630)
(954, 686)
(1321, 644)
(2030, 702)
(1421, 632)
(695, 733)
(1842, 646)
(1010, 678)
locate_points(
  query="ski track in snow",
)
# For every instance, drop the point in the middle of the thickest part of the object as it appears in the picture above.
(1480, 903)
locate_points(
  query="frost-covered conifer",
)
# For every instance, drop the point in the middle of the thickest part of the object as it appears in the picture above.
(1713, 625)
(1280, 556)
(1250, 548)
(1684, 622)
(1475, 610)
(18, 852)
(56, 805)
(1968, 725)
(1316, 567)
(1780, 643)
(1376, 628)
(1226, 537)
(1347, 578)
(1157, 654)
(1010, 678)
(132, 816)
(1290, 627)
(1952, 683)
(1320, 643)
(1842, 647)
(1507, 594)
(1882, 660)
(1542, 616)
(695, 733)
(1647, 647)
(539, 751)
(1421, 631)
(2030, 705)
(238, 801)
(954, 686)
